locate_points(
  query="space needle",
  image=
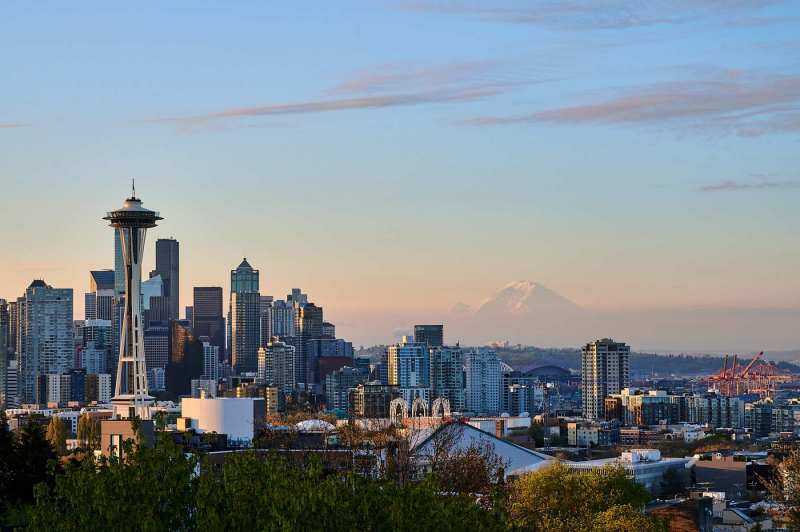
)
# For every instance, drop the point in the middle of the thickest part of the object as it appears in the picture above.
(131, 397)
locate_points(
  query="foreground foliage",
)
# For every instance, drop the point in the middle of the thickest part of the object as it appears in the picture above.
(561, 499)
(162, 488)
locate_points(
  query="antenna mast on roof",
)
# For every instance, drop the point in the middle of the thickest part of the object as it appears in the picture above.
(133, 187)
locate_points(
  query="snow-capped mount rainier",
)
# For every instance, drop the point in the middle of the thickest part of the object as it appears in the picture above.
(525, 297)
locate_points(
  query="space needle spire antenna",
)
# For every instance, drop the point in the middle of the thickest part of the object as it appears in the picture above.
(131, 398)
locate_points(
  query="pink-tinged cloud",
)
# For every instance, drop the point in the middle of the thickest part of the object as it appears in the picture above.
(401, 78)
(743, 103)
(729, 185)
(596, 14)
(345, 104)
(12, 125)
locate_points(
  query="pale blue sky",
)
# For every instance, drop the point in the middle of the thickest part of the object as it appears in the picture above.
(410, 155)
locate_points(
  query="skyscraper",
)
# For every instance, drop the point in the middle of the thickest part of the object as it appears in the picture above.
(245, 330)
(186, 360)
(409, 369)
(308, 326)
(482, 371)
(276, 365)
(605, 369)
(207, 319)
(430, 335)
(99, 301)
(168, 267)
(244, 278)
(5, 323)
(131, 397)
(47, 337)
(266, 320)
(244, 318)
(447, 375)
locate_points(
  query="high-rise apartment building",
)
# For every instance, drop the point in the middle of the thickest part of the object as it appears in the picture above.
(5, 330)
(409, 369)
(276, 363)
(605, 370)
(47, 336)
(168, 267)
(210, 362)
(156, 344)
(430, 335)
(266, 320)
(447, 375)
(13, 326)
(338, 385)
(482, 380)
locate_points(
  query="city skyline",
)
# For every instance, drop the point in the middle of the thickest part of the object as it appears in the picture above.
(396, 181)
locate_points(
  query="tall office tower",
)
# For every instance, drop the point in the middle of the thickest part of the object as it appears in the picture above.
(5, 329)
(482, 369)
(430, 335)
(244, 278)
(131, 397)
(48, 336)
(276, 365)
(282, 318)
(297, 298)
(155, 306)
(99, 301)
(409, 368)
(20, 326)
(210, 362)
(605, 369)
(447, 375)
(156, 344)
(13, 327)
(168, 267)
(185, 363)
(266, 320)
(328, 330)
(307, 326)
(244, 318)
(245, 330)
(189, 314)
(207, 316)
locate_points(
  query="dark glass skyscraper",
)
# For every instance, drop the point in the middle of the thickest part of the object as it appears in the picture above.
(185, 360)
(168, 267)
(207, 316)
(431, 335)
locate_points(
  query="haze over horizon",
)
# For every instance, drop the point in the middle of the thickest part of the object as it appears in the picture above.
(396, 159)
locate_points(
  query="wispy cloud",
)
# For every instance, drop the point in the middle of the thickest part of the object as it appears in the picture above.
(382, 87)
(345, 104)
(595, 14)
(12, 125)
(729, 185)
(732, 101)
(404, 78)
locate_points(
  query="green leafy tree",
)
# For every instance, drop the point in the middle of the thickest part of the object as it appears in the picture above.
(57, 435)
(536, 433)
(34, 461)
(154, 485)
(88, 432)
(7, 465)
(557, 498)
